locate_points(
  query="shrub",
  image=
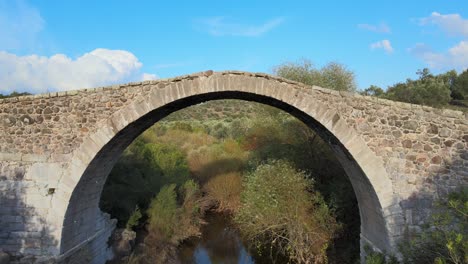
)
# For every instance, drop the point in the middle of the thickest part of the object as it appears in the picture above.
(184, 126)
(170, 221)
(162, 213)
(219, 131)
(134, 219)
(444, 239)
(225, 189)
(374, 257)
(169, 159)
(279, 204)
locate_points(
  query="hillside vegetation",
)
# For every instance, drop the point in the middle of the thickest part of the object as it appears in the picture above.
(223, 146)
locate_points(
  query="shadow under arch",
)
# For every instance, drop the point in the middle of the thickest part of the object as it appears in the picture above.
(93, 161)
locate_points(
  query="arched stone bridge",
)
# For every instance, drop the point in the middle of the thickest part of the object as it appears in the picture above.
(57, 149)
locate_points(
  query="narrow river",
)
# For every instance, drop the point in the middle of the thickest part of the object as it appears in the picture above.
(219, 243)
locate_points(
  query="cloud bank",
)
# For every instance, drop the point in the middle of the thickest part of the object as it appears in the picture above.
(451, 24)
(39, 74)
(454, 58)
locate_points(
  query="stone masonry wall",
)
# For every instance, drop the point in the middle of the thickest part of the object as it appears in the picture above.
(424, 150)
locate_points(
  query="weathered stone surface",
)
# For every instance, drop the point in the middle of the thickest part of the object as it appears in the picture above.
(57, 149)
(4, 258)
(122, 242)
(445, 132)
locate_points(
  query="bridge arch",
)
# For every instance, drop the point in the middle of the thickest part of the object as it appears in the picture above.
(83, 222)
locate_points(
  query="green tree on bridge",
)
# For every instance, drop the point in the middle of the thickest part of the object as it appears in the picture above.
(334, 75)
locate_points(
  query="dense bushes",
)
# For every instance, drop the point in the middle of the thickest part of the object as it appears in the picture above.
(14, 94)
(139, 174)
(459, 88)
(173, 216)
(429, 89)
(279, 205)
(444, 239)
(225, 189)
(172, 221)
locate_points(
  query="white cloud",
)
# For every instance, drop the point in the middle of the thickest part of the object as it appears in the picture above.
(381, 28)
(39, 74)
(383, 44)
(452, 24)
(454, 58)
(148, 76)
(219, 26)
(20, 25)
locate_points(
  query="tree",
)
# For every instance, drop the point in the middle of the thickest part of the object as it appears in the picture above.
(373, 91)
(279, 205)
(333, 75)
(424, 74)
(427, 90)
(337, 76)
(14, 94)
(460, 86)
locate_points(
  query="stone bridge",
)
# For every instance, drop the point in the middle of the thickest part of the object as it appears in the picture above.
(57, 149)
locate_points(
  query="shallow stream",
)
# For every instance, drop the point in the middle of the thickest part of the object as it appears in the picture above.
(219, 243)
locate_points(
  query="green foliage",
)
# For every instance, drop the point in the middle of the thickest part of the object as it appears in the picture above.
(134, 219)
(171, 221)
(338, 77)
(162, 212)
(444, 239)
(268, 138)
(183, 126)
(373, 91)
(215, 152)
(373, 257)
(14, 94)
(279, 204)
(460, 86)
(139, 174)
(219, 131)
(333, 75)
(427, 90)
(169, 159)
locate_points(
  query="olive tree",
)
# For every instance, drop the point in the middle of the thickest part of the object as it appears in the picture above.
(427, 90)
(333, 75)
(460, 86)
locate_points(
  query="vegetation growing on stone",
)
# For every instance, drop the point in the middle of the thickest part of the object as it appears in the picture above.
(444, 239)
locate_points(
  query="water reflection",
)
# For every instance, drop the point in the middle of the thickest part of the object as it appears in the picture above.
(219, 244)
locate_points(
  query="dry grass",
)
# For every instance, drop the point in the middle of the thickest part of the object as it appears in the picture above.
(225, 189)
(185, 140)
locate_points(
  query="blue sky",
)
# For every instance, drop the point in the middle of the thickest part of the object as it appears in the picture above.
(62, 45)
